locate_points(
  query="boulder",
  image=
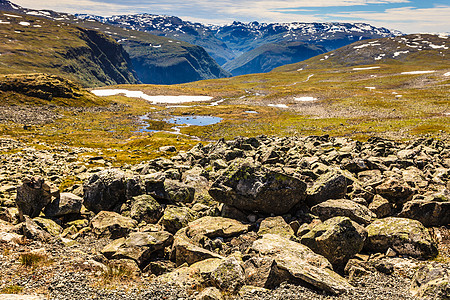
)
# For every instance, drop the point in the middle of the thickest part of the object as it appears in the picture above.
(33, 231)
(139, 246)
(210, 293)
(331, 185)
(49, 225)
(432, 282)
(65, 204)
(175, 218)
(105, 190)
(338, 239)
(395, 190)
(404, 236)
(345, 208)
(431, 211)
(301, 263)
(252, 188)
(33, 195)
(146, 208)
(380, 206)
(213, 227)
(229, 275)
(111, 224)
(275, 225)
(178, 192)
(185, 251)
(154, 185)
(264, 272)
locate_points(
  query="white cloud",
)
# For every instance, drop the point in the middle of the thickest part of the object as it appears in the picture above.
(406, 19)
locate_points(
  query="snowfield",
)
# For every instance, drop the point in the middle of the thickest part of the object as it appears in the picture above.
(153, 99)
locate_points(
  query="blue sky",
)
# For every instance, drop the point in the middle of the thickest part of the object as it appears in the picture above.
(409, 16)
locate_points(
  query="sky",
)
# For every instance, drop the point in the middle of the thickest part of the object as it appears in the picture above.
(408, 16)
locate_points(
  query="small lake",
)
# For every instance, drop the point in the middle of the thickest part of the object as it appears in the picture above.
(194, 120)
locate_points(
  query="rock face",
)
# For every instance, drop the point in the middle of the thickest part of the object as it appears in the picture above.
(105, 190)
(252, 188)
(404, 236)
(301, 263)
(338, 239)
(33, 195)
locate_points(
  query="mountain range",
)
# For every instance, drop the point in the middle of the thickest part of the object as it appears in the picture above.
(227, 43)
(168, 50)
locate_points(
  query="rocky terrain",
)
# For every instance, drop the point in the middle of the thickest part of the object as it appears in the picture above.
(251, 218)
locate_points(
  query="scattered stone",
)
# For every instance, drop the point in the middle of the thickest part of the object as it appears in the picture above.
(229, 275)
(146, 208)
(111, 224)
(275, 225)
(343, 207)
(380, 206)
(331, 185)
(404, 236)
(65, 204)
(175, 218)
(431, 211)
(33, 195)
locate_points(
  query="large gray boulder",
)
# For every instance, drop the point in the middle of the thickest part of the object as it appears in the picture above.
(431, 211)
(105, 190)
(111, 224)
(251, 188)
(33, 195)
(338, 239)
(404, 236)
(138, 246)
(65, 204)
(343, 207)
(331, 185)
(301, 263)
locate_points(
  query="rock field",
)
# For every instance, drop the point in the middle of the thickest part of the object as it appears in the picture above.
(251, 218)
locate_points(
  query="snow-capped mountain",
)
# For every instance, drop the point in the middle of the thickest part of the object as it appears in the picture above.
(226, 42)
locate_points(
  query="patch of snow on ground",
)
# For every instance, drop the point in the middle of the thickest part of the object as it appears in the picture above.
(417, 72)
(217, 102)
(37, 26)
(4, 22)
(400, 52)
(305, 99)
(438, 47)
(301, 69)
(380, 56)
(365, 68)
(278, 105)
(370, 88)
(157, 46)
(12, 16)
(153, 99)
(25, 23)
(398, 96)
(309, 77)
(365, 45)
(447, 74)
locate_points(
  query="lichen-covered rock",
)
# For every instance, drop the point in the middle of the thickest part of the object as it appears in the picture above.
(210, 293)
(275, 225)
(33, 195)
(105, 190)
(331, 185)
(345, 208)
(301, 263)
(213, 227)
(404, 236)
(111, 224)
(65, 204)
(251, 188)
(175, 218)
(229, 275)
(432, 282)
(178, 192)
(338, 239)
(431, 211)
(146, 208)
(49, 225)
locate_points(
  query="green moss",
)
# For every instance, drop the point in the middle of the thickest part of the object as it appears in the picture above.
(12, 289)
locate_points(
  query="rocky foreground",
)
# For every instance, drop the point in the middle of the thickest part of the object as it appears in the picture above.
(251, 218)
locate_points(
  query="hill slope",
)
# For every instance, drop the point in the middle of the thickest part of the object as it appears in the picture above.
(157, 60)
(415, 49)
(269, 56)
(30, 44)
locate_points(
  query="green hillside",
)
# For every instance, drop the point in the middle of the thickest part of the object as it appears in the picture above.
(30, 44)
